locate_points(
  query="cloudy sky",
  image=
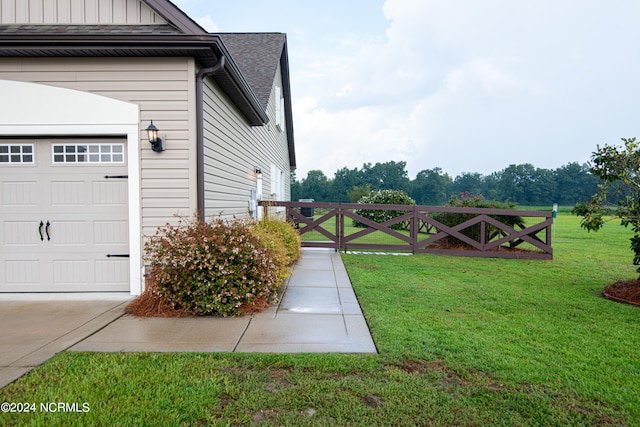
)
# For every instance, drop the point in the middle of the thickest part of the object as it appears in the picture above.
(463, 85)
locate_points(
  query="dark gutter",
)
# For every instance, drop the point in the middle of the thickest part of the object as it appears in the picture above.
(204, 72)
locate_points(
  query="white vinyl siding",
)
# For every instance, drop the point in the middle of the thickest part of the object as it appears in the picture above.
(77, 12)
(164, 89)
(233, 151)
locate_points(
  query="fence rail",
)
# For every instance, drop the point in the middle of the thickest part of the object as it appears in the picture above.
(494, 233)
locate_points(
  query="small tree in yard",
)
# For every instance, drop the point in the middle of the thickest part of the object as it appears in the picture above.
(619, 171)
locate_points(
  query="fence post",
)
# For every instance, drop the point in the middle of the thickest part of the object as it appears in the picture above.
(413, 227)
(339, 226)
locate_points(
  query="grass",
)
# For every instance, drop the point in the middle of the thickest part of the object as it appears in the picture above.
(462, 341)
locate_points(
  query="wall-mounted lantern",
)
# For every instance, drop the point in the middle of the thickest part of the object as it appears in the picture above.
(157, 143)
(258, 173)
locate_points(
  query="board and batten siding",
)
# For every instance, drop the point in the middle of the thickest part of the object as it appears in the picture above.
(111, 12)
(164, 88)
(233, 149)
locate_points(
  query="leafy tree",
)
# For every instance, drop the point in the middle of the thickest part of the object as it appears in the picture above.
(621, 166)
(315, 186)
(296, 187)
(386, 176)
(358, 192)
(574, 184)
(431, 187)
(522, 183)
(469, 183)
(343, 182)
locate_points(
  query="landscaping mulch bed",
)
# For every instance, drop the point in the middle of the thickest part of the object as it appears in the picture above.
(625, 291)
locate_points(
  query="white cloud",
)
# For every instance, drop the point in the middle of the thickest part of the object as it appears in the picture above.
(472, 86)
(208, 24)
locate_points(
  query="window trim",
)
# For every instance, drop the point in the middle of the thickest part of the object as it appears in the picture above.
(88, 153)
(10, 154)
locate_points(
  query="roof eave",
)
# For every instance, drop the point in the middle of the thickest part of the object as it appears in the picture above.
(175, 16)
(204, 48)
(256, 115)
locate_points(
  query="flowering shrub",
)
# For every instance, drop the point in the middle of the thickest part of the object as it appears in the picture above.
(212, 267)
(384, 197)
(467, 200)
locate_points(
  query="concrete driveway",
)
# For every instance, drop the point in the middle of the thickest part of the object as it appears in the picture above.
(36, 327)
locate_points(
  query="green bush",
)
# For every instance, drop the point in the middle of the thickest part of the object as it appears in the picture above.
(211, 268)
(288, 236)
(282, 240)
(384, 197)
(466, 200)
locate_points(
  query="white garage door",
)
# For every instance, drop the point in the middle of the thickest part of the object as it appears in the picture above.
(63, 215)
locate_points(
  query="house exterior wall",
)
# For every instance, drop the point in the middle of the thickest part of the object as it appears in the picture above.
(233, 150)
(281, 153)
(164, 88)
(77, 12)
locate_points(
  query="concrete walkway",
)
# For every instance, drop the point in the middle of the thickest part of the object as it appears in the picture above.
(318, 313)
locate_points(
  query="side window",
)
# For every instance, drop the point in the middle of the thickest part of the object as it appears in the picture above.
(17, 153)
(277, 183)
(279, 108)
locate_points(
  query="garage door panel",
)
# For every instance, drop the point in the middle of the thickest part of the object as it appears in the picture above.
(23, 193)
(110, 193)
(68, 193)
(21, 272)
(70, 272)
(22, 233)
(68, 233)
(110, 233)
(112, 272)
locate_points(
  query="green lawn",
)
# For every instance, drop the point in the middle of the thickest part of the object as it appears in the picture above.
(462, 341)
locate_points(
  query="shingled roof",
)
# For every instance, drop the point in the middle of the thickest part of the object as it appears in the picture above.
(257, 56)
(88, 29)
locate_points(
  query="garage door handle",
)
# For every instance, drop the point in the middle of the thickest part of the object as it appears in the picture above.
(40, 230)
(46, 229)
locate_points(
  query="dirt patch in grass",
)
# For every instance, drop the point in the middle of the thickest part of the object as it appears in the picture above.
(625, 291)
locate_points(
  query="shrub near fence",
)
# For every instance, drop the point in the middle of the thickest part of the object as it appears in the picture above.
(467, 200)
(384, 197)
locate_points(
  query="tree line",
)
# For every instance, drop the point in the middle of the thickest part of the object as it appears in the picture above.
(523, 184)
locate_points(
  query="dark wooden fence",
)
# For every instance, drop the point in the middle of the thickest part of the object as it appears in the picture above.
(420, 229)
